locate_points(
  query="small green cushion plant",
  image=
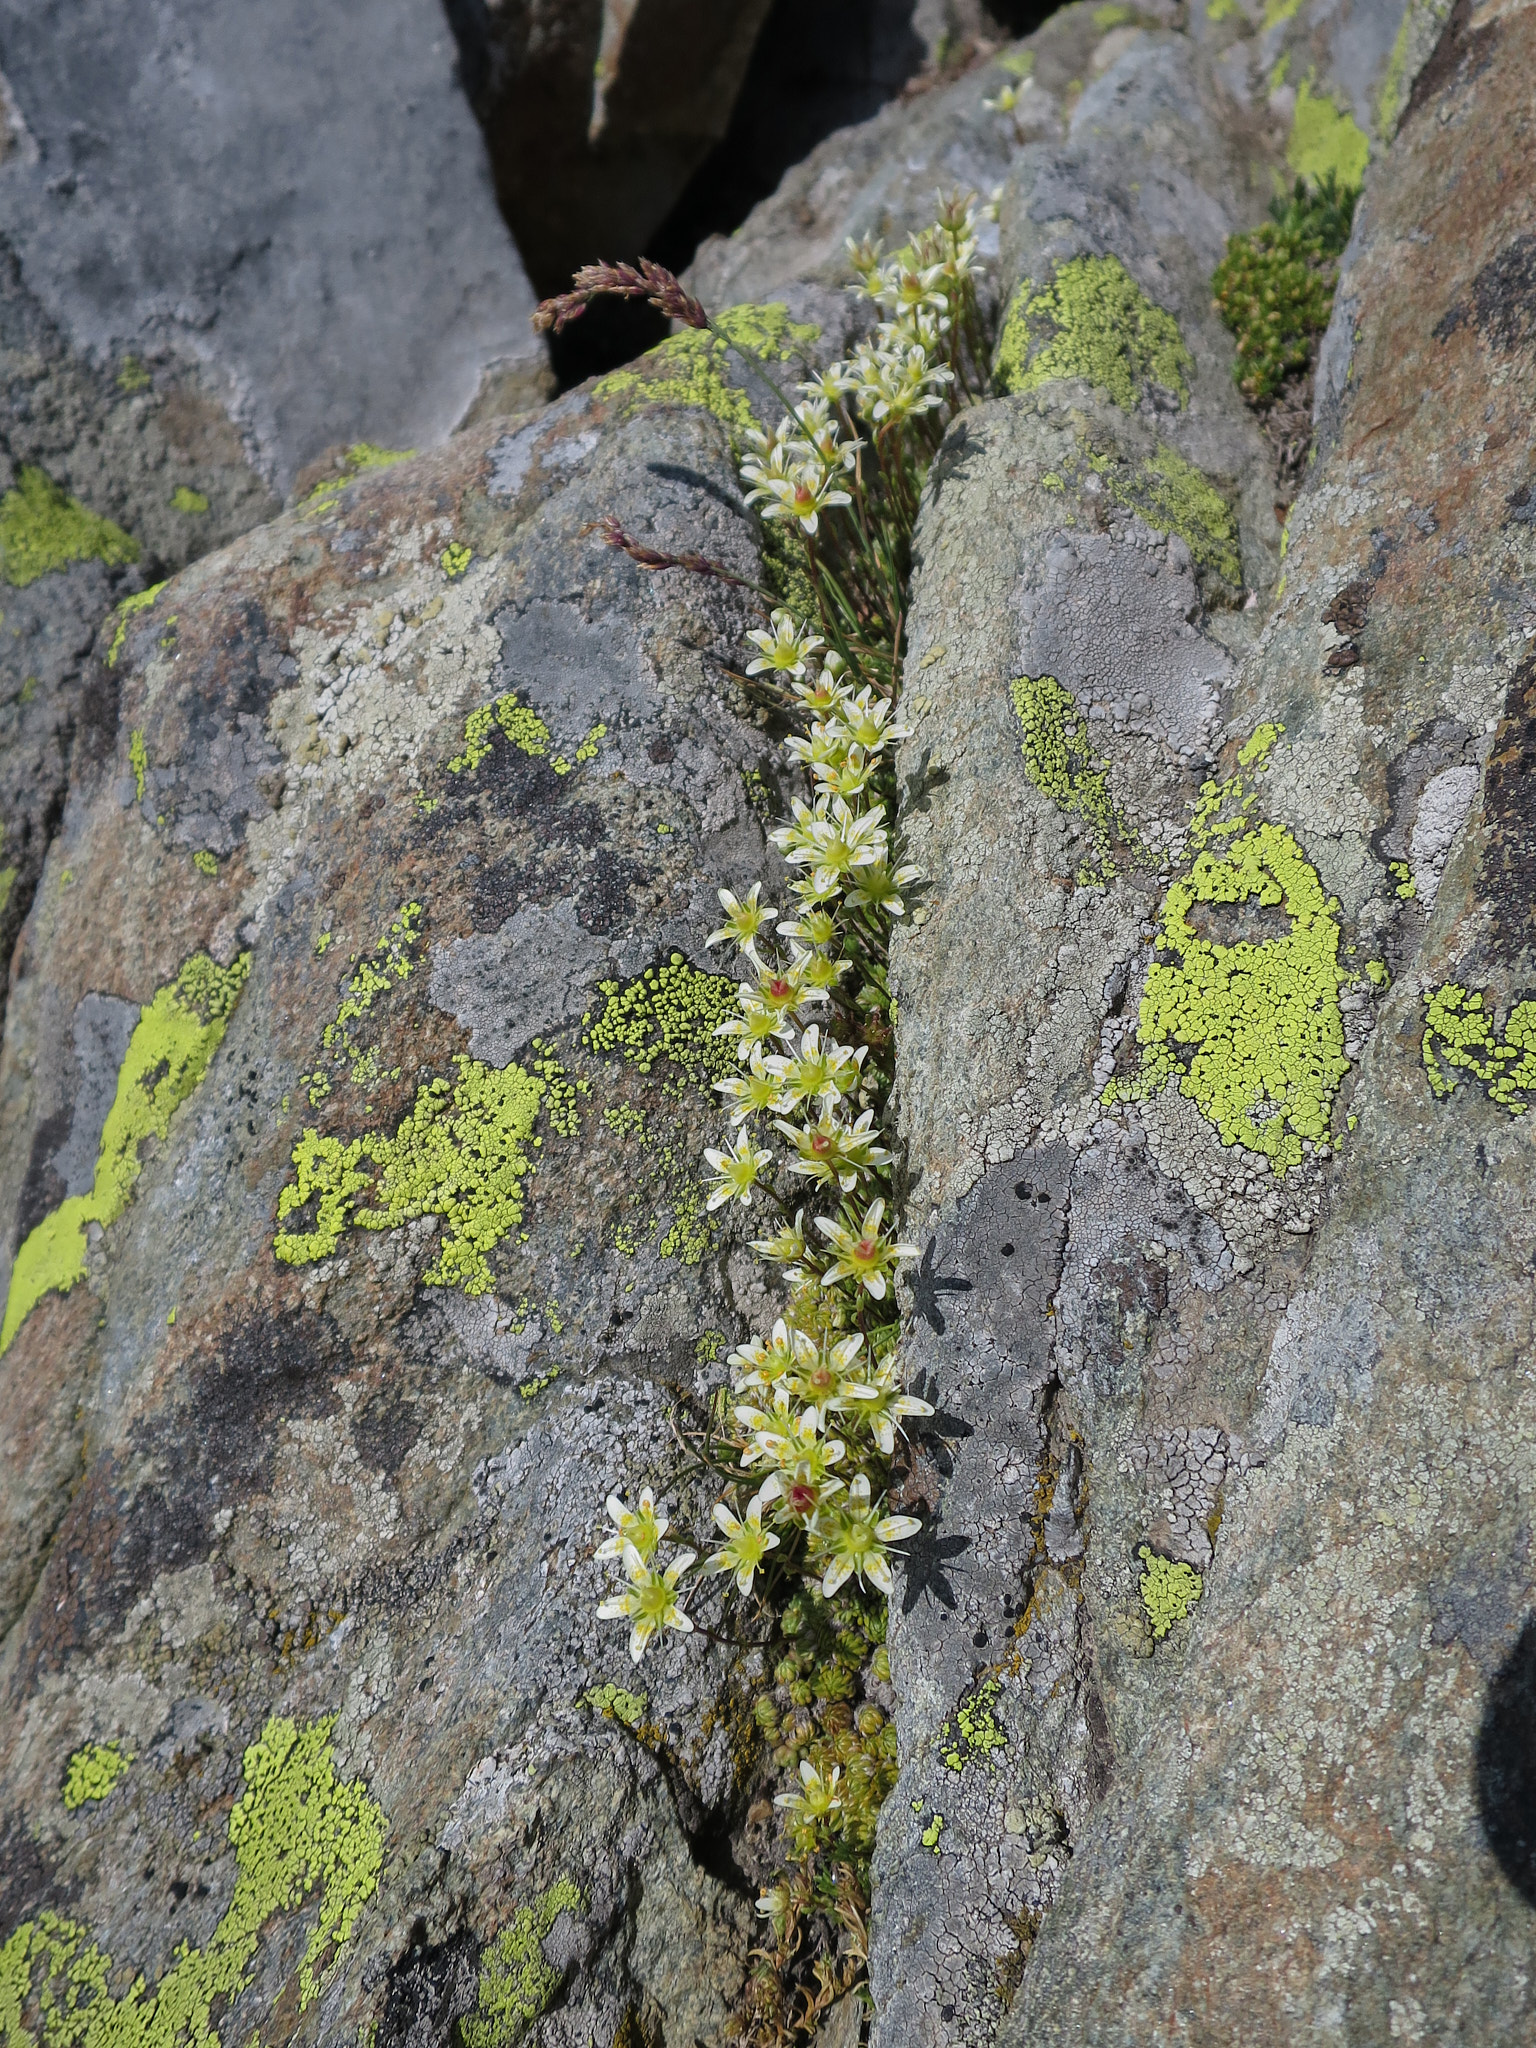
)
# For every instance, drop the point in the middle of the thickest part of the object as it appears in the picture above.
(1274, 287)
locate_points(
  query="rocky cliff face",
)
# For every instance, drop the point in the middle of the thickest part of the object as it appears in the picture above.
(359, 1059)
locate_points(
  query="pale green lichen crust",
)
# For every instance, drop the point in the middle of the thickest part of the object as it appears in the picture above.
(458, 1154)
(692, 368)
(614, 1703)
(1460, 1037)
(92, 1772)
(176, 1036)
(1175, 497)
(139, 602)
(1060, 761)
(974, 1730)
(516, 1984)
(295, 1831)
(42, 529)
(359, 458)
(1325, 140)
(672, 1013)
(1168, 1590)
(1095, 322)
(1252, 1030)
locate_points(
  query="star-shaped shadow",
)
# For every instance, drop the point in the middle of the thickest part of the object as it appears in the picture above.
(927, 1286)
(936, 1434)
(927, 1557)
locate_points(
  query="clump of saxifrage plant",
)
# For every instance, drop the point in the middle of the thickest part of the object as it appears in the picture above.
(802, 1443)
(1274, 287)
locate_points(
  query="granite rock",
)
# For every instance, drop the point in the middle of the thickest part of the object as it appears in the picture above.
(1291, 1800)
(424, 783)
(230, 244)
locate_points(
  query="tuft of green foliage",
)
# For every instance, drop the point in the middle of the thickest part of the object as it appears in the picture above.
(1274, 287)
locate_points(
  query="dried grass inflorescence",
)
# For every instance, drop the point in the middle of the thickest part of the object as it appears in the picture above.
(645, 280)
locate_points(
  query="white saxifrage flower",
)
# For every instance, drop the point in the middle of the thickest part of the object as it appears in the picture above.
(649, 1602)
(855, 1540)
(737, 1169)
(746, 1544)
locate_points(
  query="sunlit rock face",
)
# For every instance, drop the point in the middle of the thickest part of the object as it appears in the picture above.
(360, 1054)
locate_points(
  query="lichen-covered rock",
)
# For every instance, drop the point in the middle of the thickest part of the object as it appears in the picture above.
(355, 1081)
(1213, 1664)
(229, 244)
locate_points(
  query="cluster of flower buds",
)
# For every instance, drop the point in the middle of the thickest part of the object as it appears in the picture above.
(803, 468)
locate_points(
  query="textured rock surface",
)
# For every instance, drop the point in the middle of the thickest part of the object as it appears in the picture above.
(371, 802)
(228, 243)
(241, 1486)
(1303, 1808)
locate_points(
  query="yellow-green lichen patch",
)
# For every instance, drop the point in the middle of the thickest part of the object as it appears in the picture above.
(42, 528)
(1325, 141)
(1168, 1590)
(92, 1772)
(1460, 1037)
(455, 559)
(458, 1154)
(392, 959)
(694, 368)
(614, 1703)
(1416, 35)
(138, 761)
(185, 499)
(587, 751)
(1095, 322)
(1175, 497)
(516, 1984)
(671, 1013)
(360, 457)
(1252, 1029)
(176, 1036)
(974, 1731)
(296, 1831)
(523, 728)
(1402, 875)
(930, 1834)
(133, 377)
(139, 602)
(691, 1232)
(561, 1093)
(1060, 761)
(205, 862)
